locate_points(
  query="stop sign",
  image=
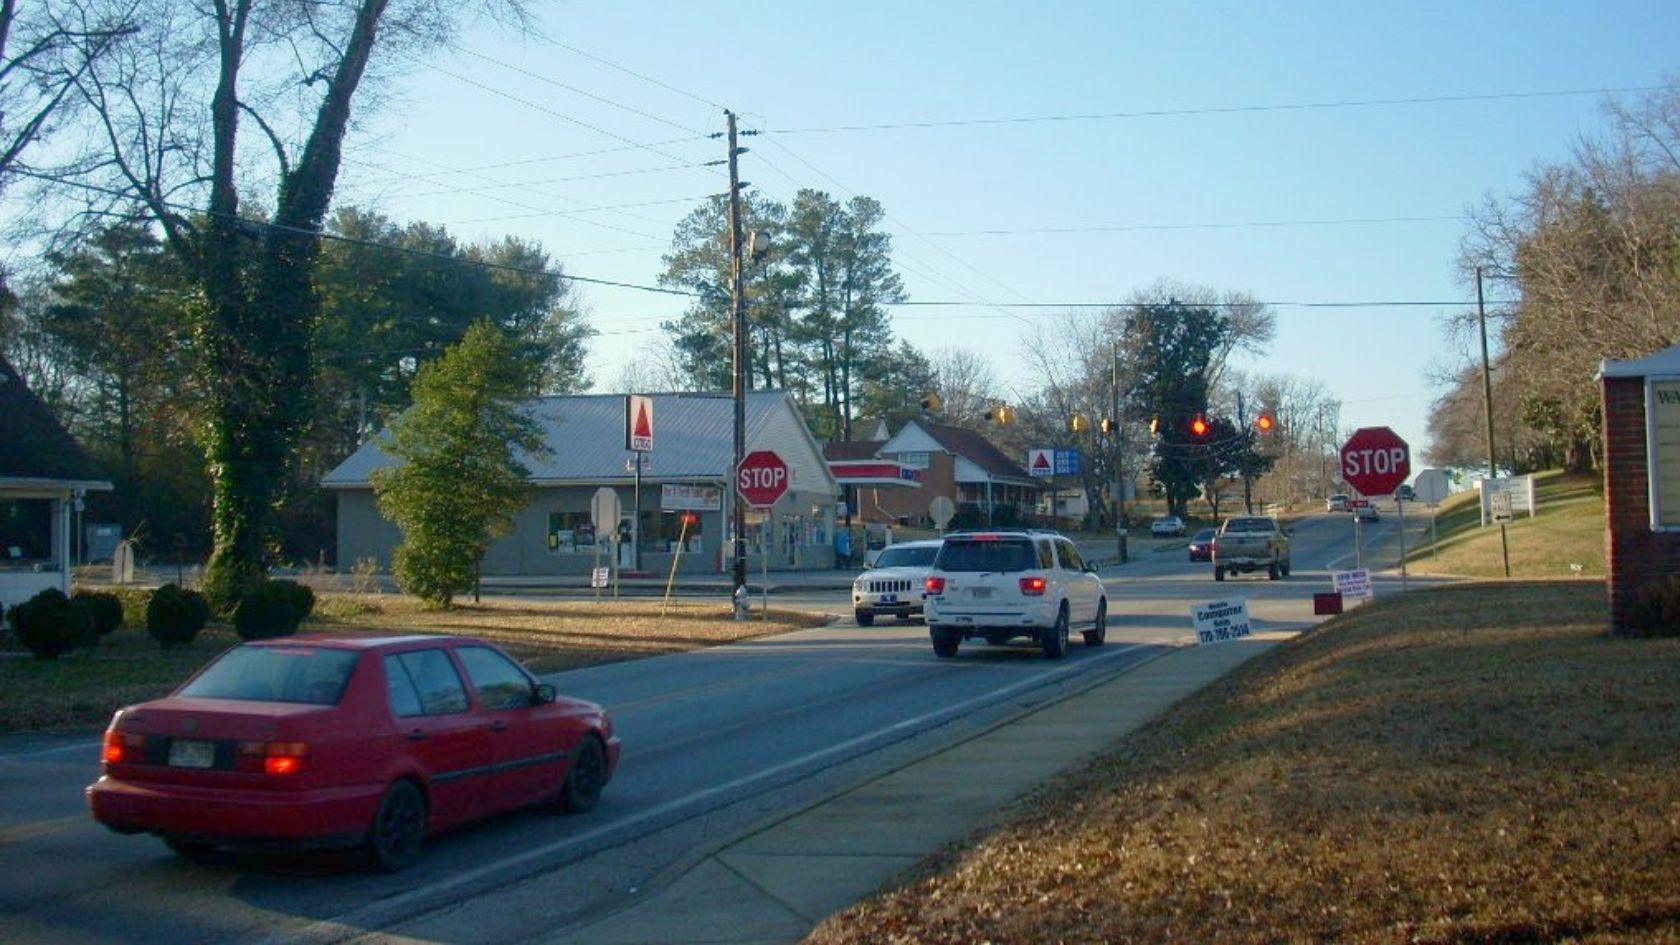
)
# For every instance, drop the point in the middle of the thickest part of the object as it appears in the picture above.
(1376, 461)
(762, 479)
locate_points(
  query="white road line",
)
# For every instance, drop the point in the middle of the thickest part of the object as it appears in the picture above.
(79, 746)
(367, 919)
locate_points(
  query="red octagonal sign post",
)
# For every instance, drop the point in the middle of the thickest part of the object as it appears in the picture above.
(1376, 461)
(762, 479)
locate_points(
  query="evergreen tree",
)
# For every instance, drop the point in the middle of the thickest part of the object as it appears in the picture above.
(459, 479)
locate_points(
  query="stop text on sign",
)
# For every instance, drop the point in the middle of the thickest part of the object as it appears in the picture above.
(762, 478)
(1380, 462)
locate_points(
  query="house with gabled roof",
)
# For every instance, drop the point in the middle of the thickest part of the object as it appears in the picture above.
(987, 486)
(682, 505)
(44, 475)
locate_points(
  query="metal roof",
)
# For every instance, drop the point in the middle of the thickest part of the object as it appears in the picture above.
(693, 438)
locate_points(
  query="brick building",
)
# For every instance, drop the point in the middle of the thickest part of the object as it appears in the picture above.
(1641, 476)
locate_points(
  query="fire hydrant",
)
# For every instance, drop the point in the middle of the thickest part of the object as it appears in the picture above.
(741, 604)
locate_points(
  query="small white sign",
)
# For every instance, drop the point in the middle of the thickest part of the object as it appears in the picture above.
(1041, 462)
(1500, 503)
(598, 577)
(638, 423)
(676, 497)
(1221, 621)
(1354, 583)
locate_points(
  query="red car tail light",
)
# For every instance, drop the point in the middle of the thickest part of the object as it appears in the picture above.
(273, 758)
(123, 747)
(934, 585)
(1034, 586)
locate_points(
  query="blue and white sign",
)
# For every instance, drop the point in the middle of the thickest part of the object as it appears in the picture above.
(1053, 462)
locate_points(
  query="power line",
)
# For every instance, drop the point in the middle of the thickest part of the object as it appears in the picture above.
(395, 175)
(573, 89)
(1212, 110)
(544, 182)
(633, 73)
(375, 244)
(1167, 227)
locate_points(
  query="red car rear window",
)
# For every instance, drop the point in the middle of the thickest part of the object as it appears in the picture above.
(276, 674)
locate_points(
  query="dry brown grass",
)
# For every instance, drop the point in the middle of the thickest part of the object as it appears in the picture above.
(1475, 764)
(83, 688)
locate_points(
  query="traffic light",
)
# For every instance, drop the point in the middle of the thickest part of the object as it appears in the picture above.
(1154, 426)
(1265, 423)
(1199, 427)
(932, 403)
(1001, 414)
(1078, 423)
(1109, 425)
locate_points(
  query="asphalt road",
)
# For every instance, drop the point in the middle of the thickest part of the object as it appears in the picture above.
(715, 741)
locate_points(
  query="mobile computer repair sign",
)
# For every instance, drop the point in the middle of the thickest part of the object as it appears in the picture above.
(1221, 621)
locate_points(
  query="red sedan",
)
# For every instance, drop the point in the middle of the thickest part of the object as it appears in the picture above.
(343, 741)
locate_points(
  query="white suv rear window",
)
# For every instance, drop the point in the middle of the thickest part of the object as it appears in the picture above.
(1005, 554)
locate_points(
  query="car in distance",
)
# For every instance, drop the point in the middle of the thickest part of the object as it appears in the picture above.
(1167, 526)
(1337, 503)
(1001, 585)
(324, 741)
(1365, 513)
(1405, 493)
(1249, 543)
(1201, 545)
(895, 583)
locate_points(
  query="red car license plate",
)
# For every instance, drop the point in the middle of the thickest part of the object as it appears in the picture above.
(186, 753)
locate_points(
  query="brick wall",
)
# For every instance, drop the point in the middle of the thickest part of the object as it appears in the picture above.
(1634, 554)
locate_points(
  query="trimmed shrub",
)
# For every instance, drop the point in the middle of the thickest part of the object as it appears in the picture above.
(46, 626)
(175, 616)
(274, 609)
(104, 610)
(1656, 611)
(133, 601)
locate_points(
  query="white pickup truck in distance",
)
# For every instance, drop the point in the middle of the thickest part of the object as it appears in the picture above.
(1251, 543)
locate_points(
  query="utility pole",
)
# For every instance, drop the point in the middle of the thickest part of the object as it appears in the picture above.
(1247, 439)
(1118, 436)
(738, 319)
(1487, 374)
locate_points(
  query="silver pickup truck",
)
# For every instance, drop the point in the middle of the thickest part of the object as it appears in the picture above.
(1251, 543)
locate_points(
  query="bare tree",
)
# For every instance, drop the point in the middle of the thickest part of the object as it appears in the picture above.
(967, 384)
(202, 106)
(1587, 250)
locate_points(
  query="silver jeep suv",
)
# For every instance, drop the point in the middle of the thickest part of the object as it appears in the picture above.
(999, 585)
(895, 584)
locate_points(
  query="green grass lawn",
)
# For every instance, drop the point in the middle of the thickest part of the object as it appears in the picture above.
(1568, 529)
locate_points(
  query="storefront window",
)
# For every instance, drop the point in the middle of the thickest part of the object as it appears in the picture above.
(571, 533)
(664, 531)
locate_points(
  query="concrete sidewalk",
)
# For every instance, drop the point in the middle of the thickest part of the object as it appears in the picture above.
(777, 883)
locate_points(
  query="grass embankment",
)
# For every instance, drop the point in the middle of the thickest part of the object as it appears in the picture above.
(85, 686)
(1569, 529)
(1470, 764)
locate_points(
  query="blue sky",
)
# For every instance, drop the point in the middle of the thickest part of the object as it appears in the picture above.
(513, 136)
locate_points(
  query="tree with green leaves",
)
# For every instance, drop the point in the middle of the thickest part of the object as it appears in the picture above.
(1168, 348)
(458, 479)
(700, 263)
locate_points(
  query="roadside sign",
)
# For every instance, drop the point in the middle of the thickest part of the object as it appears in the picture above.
(674, 496)
(1041, 462)
(1221, 621)
(941, 509)
(1501, 506)
(762, 479)
(1354, 583)
(1376, 461)
(638, 423)
(1049, 462)
(605, 509)
(598, 577)
(1430, 487)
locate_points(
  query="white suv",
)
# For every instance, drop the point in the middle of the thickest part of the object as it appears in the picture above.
(895, 583)
(1006, 584)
